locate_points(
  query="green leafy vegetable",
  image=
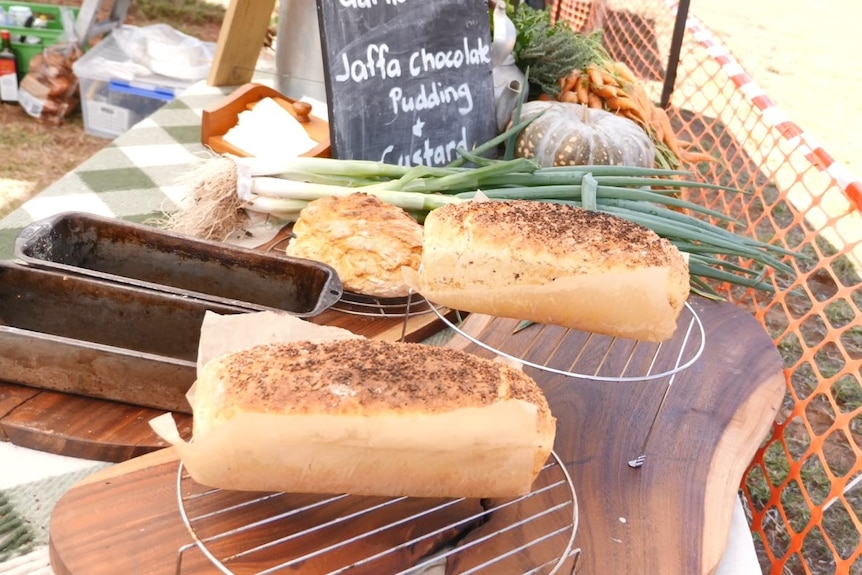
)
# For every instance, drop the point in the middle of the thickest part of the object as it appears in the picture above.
(549, 50)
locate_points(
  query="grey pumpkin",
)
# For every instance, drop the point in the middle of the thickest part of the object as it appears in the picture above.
(570, 134)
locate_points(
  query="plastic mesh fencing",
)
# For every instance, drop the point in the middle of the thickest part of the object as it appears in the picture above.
(804, 488)
(580, 14)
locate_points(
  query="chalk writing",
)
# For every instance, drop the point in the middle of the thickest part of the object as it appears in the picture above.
(375, 65)
(425, 61)
(407, 83)
(436, 95)
(368, 3)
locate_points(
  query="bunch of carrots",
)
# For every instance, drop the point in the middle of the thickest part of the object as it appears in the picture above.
(610, 85)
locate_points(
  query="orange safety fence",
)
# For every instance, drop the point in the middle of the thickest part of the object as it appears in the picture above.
(804, 488)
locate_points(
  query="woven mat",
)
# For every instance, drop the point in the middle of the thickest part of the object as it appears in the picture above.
(36, 562)
(25, 515)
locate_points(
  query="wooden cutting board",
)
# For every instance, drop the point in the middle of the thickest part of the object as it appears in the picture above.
(670, 516)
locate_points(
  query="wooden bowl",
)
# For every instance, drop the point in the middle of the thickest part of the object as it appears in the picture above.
(219, 118)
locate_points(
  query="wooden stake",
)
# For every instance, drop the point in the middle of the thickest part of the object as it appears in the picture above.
(240, 41)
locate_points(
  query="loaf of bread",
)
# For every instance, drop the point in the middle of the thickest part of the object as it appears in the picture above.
(369, 418)
(553, 264)
(365, 240)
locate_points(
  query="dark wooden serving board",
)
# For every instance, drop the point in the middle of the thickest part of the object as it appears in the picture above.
(670, 516)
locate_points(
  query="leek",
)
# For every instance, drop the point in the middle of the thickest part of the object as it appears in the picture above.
(281, 195)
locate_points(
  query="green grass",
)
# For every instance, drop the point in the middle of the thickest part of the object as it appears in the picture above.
(181, 12)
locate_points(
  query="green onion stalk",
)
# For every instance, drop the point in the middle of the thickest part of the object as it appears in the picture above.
(646, 196)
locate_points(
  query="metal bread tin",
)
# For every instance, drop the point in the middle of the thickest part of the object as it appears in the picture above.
(148, 257)
(99, 339)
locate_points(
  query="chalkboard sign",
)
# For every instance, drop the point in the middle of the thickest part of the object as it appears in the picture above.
(407, 81)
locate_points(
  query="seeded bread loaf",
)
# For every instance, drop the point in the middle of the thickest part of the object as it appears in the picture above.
(555, 264)
(369, 418)
(366, 240)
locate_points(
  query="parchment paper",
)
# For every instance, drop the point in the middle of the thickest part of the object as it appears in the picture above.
(486, 451)
(629, 304)
(224, 334)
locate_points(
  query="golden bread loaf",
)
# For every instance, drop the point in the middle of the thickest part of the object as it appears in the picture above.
(553, 264)
(369, 418)
(364, 239)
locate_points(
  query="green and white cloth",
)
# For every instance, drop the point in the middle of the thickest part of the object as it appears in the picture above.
(136, 177)
(31, 483)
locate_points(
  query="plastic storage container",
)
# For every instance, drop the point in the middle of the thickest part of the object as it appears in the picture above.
(116, 92)
(29, 42)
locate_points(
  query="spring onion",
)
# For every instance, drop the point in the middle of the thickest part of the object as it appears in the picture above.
(646, 196)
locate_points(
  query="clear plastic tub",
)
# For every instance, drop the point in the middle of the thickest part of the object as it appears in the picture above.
(117, 92)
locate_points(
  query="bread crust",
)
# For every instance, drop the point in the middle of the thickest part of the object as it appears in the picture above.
(391, 404)
(364, 239)
(505, 248)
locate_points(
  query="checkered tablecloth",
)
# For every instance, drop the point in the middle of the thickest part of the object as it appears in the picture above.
(136, 177)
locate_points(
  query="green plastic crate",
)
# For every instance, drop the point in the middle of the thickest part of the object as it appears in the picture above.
(52, 11)
(48, 36)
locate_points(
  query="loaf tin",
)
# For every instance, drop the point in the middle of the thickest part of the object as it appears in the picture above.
(148, 257)
(99, 339)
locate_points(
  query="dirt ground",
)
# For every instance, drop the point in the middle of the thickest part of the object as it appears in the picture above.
(805, 55)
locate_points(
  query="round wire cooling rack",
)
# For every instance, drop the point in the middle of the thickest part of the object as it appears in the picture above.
(585, 355)
(265, 533)
(372, 306)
